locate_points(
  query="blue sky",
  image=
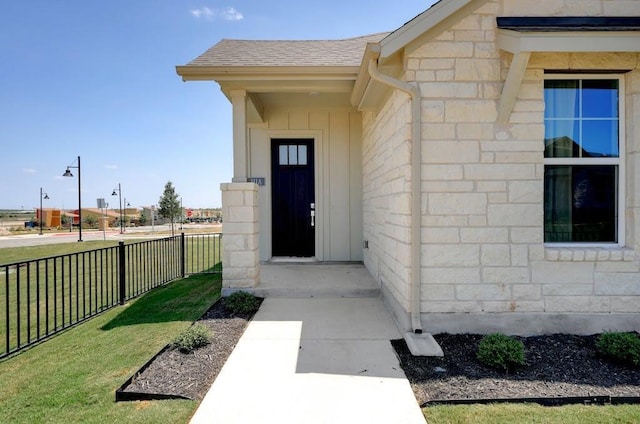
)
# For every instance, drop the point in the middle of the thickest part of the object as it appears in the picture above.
(97, 80)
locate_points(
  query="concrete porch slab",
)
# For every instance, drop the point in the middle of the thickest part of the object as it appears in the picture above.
(299, 280)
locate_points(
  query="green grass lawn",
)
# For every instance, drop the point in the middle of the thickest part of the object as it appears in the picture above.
(73, 377)
(532, 414)
(25, 253)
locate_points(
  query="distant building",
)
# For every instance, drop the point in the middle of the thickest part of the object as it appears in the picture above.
(151, 215)
(50, 217)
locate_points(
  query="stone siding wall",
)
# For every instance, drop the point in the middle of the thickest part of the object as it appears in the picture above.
(482, 182)
(386, 172)
(240, 255)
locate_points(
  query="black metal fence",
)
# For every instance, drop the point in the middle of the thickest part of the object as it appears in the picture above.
(42, 297)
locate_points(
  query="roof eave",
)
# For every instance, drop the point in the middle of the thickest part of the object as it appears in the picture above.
(372, 51)
(568, 41)
(524, 42)
(568, 23)
(226, 73)
(422, 23)
(390, 48)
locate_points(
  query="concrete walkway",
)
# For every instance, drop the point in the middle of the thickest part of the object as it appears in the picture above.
(313, 360)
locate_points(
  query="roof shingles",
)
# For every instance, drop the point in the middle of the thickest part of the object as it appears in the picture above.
(228, 53)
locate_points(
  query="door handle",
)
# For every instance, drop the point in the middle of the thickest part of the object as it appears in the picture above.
(313, 218)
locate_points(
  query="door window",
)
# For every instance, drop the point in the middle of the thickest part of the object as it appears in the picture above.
(292, 154)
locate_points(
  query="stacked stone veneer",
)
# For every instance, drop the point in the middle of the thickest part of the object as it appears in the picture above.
(240, 250)
(386, 196)
(483, 255)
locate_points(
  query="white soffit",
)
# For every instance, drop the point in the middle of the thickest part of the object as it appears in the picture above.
(570, 41)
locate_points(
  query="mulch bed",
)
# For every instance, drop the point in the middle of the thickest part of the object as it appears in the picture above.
(558, 366)
(190, 375)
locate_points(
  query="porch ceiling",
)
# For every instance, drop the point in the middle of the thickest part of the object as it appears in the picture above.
(288, 84)
(308, 100)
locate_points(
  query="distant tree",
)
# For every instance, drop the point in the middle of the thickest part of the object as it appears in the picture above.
(169, 205)
(91, 221)
(142, 219)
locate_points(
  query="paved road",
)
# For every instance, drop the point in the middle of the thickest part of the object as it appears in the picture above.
(87, 235)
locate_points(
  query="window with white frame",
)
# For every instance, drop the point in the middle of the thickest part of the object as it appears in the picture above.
(583, 186)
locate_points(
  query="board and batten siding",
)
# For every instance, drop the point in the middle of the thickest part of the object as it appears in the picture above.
(338, 176)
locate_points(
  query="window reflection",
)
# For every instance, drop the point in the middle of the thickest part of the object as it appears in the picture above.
(581, 118)
(580, 205)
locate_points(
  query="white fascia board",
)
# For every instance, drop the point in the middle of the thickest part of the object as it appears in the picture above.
(570, 41)
(422, 23)
(256, 80)
(230, 73)
(372, 52)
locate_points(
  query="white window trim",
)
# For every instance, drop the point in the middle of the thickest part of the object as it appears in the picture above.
(620, 161)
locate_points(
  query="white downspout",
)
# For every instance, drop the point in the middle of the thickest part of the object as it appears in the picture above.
(416, 179)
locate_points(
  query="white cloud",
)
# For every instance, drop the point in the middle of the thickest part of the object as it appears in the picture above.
(29, 171)
(109, 166)
(231, 14)
(227, 13)
(203, 12)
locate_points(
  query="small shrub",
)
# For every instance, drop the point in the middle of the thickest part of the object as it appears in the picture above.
(501, 352)
(620, 347)
(242, 303)
(196, 336)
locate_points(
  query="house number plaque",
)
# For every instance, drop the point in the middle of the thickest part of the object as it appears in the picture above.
(258, 180)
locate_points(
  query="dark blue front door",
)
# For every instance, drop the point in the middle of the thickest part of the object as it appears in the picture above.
(293, 198)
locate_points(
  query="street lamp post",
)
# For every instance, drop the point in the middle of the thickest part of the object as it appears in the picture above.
(68, 173)
(119, 194)
(125, 214)
(153, 217)
(45, 196)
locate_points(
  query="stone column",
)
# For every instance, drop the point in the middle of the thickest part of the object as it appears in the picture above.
(240, 246)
